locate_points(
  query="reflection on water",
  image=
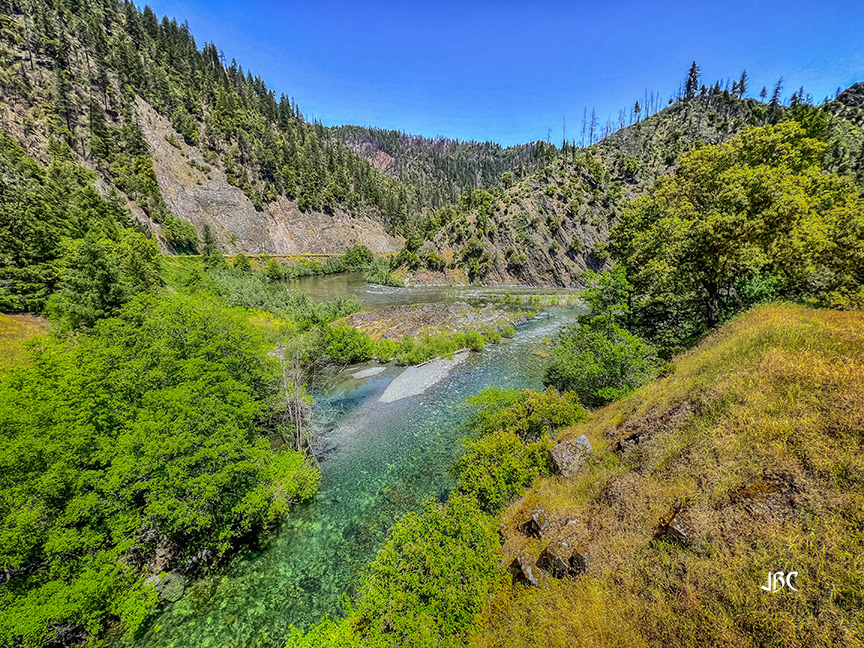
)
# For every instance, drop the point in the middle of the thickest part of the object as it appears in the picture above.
(382, 460)
(373, 296)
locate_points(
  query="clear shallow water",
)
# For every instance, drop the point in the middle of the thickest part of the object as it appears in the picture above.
(380, 461)
(373, 296)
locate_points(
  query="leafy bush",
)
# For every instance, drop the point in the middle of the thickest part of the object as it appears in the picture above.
(345, 344)
(358, 257)
(380, 272)
(600, 362)
(431, 578)
(498, 467)
(508, 332)
(528, 413)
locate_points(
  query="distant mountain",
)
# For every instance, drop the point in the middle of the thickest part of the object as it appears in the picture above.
(549, 225)
(437, 171)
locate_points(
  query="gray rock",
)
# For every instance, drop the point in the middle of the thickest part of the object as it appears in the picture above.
(525, 571)
(561, 561)
(535, 525)
(554, 560)
(568, 457)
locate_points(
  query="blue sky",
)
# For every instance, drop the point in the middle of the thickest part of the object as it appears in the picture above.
(508, 71)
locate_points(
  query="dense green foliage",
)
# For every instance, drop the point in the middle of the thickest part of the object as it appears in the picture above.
(57, 231)
(529, 414)
(146, 433)
(516, 428)
(752, 219)
(499, 466)
(430, 579)
(600, 362)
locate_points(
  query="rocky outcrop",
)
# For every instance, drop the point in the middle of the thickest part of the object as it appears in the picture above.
(561, 561)
(525, 570)
(568, 457)
(208, 199)
(535, 525)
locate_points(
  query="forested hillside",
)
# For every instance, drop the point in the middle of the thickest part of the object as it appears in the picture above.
(437, 171)
(550, 225)
(181, 132)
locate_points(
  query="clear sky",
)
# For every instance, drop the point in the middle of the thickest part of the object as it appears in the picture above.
(508, 71)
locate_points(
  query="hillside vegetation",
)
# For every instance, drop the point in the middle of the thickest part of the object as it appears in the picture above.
(549, 225)
(437, 171)
(754, 445)
(77, 74)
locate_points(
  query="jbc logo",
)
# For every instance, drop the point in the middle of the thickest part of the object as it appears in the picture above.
(777, 581)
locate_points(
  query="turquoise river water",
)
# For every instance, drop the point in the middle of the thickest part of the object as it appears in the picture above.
(379, 461)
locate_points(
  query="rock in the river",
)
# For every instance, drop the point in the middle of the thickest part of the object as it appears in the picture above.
(568, 457)
(525, 570)
(535, 525)
(169, 587)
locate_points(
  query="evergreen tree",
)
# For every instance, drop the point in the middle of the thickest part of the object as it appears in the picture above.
(691, 87)
(742, 84)
(90, 287)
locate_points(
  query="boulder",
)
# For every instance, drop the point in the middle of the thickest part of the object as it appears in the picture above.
(525, 571)
(535, 525)
(560, 561)
(568, 457)
(169, 587)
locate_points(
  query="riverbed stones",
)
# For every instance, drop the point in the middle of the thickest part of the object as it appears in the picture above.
(569, 456)
(169, 587)
(416, 380)
(535, 525)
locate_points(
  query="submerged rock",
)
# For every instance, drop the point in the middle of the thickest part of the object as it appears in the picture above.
(568, 457)
(169, 587)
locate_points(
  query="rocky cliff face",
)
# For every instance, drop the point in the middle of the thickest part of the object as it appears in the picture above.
(204, 197)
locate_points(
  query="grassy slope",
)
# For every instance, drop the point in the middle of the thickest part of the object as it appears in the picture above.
(759, 434)
(14, 331)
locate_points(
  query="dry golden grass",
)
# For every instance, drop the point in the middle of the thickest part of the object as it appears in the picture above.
(758, 435)
(15, 330)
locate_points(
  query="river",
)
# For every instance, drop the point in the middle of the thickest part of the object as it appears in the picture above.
(379, 461)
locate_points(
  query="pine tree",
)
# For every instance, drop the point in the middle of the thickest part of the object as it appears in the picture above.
(742, 84)
(691, 87)
(775, 96)
(90, 287)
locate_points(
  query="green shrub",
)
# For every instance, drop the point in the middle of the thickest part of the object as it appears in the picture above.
(492, 336)
(601, 362)
(346, 344)
(358, 257)
(384, 350)
(528, 413)
(431, 579)
(508, 332)
(498, 467)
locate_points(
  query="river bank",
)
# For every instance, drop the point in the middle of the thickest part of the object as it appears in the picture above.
(379, 460)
